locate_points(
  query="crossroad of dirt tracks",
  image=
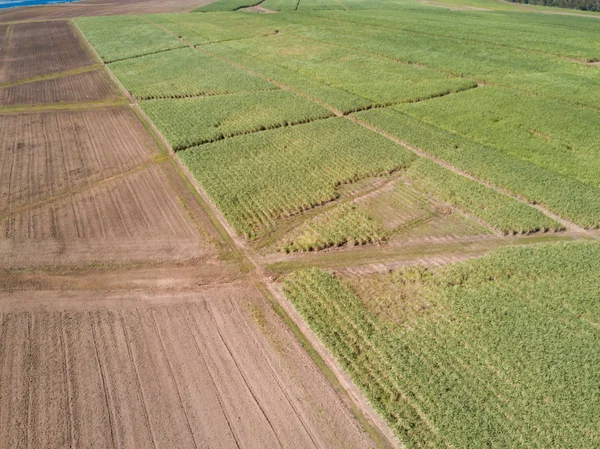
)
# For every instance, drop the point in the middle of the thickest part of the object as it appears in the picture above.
(125, 319)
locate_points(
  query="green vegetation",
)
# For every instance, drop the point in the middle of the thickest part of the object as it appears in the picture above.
(499, 211)
(121, 37)
(495, 352)
(281, 172)
(566, 197)
(227, 5)
(352, 72)
(281, 5)
(527, 128)
(201, 29)
(584, 5)
(193, 121)
(336, 227)
(182, 73)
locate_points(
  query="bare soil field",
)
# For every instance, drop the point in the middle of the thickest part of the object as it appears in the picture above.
(51, 153)
(214, 368)
(40, 48)
(82, 87)
(99, 8)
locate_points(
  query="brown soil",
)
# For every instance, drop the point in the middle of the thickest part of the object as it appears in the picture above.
(39, 48)
(81, 87)
(99, 8)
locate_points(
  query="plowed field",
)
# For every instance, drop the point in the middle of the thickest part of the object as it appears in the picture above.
(210, 369)
(40, 48)
(81, 87)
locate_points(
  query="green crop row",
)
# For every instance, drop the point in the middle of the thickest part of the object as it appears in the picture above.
(200, 29)
(537, 73)
(559, 137)
(122, 37)
(258, 178)
(333, 96)
(499, 211)
(193, 121)
(494, 352)
(345, 224)
(566, 197)
(226, 5)
(380, 80)
(183, 72)
(560, 35)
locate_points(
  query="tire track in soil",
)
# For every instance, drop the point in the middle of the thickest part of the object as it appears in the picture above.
(260, 376)
(240, 405)
(198, 391)
(276, 377)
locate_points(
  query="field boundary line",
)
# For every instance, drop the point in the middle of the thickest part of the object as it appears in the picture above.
(415, 150)
(402, 253)
(419, 152)
(111, 61)
(34, 108)
(385, 437)
(51, 76)
(454, 75)
(380, 435)
(69, 192)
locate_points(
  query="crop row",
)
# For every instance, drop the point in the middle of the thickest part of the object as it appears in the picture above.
(121, 37)
(499, 211)
(193, 121)
(201, 29)
(257, 178)
(537, 73)
(492, 358)
(548, 133)
(566, 197)
(380, 80)
(183, 72)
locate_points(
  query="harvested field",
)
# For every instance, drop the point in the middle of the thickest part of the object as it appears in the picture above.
(51, 153)
(81, 87)
(40, 48)
(215, 368)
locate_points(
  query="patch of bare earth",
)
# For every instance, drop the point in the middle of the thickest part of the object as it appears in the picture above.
(99, 8)
(40, 48)
(210, 368)
(81, 87)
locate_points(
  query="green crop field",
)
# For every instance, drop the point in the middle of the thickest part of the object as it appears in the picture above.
(427, 132)
(495, 352)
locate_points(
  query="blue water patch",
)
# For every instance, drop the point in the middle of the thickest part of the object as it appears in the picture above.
(15, 3)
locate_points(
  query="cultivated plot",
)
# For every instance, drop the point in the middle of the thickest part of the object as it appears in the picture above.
(179, 370)
(41, 48)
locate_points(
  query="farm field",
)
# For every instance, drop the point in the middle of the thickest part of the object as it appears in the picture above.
(313, 223)
(127, 316)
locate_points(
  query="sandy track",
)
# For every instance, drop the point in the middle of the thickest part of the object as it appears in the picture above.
(40, 48)
(81, 87)
(216, 369)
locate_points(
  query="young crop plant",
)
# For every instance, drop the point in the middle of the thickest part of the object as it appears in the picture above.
(333, 96)
(257, 178)
(344, 224)
(445, 355)
(122, 37)
(499, 211)
(552, 134)
(194, 121)
(226, 5)
(352, 71)
(564, 196)
(183, 73)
